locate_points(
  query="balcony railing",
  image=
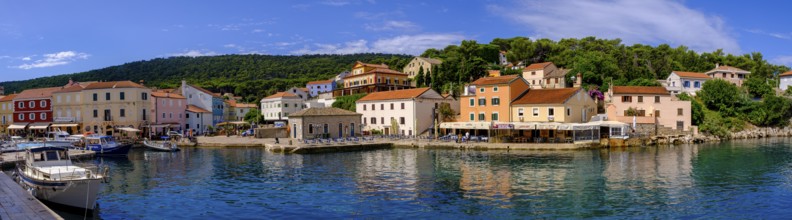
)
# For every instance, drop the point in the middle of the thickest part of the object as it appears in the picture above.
(64, 119)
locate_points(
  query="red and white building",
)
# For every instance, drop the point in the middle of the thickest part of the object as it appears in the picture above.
(33, 107)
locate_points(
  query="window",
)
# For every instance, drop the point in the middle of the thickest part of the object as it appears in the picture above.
(481, 90)
(533, 73)
(144, 96)
(326, 128)
(32, 104)
(187, 115)
(401, 120)
(373, 120)
(21, 117)
(472, 102)
(21, 105)
(550, 111)
(696, 84)
(107, 96)
(495, 101)
(640, 99)
(482, 102)
(495, 116)
(122, 113)
(686, 84)
(520, 112)
(59, 99)
(373, 107)
(626, 98)
(32, 116)
(121, 96)
(481, 117)
(569, 111)
(472, 117)
(679, 111)
(43, 116)
(535, 112)
(95, 97)
(382, 106)
(657, 99)
(391, 106)
(144, 113)
(495, 89)
(364, 107)
(95, 113)
(382, 120)
(657, 113)
(285, 105)
(402, 105)
(163, 115)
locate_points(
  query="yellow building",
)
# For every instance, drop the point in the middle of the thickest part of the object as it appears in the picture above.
(568, 105)
(368, 78)
(108, 106)
(67, 108)
(6, 112)
(417, 63)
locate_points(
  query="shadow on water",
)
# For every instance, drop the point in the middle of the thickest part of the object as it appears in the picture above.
(739, 179)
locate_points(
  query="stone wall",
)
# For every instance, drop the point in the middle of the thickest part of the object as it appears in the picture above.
(271, 133)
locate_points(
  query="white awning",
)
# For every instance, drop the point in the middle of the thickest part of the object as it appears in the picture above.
(18, 126)
(39, 126)
(466, 125)
(129, 129)
(160, 126)
(63, 125)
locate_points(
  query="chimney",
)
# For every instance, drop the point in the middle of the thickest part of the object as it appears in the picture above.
(141, 82)
(183, 86)
(578, 80)
(717, 65)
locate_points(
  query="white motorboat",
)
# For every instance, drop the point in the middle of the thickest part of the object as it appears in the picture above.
(168, 143)
(50, 176)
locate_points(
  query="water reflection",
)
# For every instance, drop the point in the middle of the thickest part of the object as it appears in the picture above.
(730, 180)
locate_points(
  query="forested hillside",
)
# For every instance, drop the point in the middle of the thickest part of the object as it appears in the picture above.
(252, 76)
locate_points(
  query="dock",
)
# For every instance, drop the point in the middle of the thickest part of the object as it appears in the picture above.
(16, 203)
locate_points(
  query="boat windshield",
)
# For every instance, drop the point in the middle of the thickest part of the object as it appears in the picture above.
(49, 156)
(94, 141)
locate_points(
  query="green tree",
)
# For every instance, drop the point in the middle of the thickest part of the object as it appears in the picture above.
(419, 79)
(722, 96)
(348, 101)
(696, 108)
(254, 115)
(758, 87)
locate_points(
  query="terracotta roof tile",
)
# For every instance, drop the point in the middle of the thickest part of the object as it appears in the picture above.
(377, 70)
(394, 94)
(370, 65)
(246, 105)
(196, 109)
(691, 74)
(113, 84)
(546, 96)
(282, 95)
(659, 90)
(495, 80)
(8, 98)
(37, 93)
(789, 73)
(321, 82)
(724, 68)
(167, 95)
(537, 66)
(323, 112)
(430, 60)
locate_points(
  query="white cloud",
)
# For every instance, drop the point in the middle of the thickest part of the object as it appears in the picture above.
(787, 36)
(393, 26)
(647, 21)
(194, 53)
(782, 60)
(335, 2)
(53, 59)
(404, 44)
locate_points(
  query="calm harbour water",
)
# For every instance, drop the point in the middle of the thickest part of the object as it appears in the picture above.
(743, 179)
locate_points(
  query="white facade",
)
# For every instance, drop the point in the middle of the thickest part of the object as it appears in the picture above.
(197, 97)
(412, 115)
(197, 122)
(784, 81)
(676, 84)
(279, 108)
(299, 92)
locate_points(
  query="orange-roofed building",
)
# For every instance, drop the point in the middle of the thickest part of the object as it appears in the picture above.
(685, 82)
(321, 86)
(648, 105)
(6, 112)
(785, 80)
(107, 106)
(567, 105)
(402, 112)
(488, 99)
(34, 107)
(278, 106)
(368, 78)
(68, 108)
(545, 76)
(729, 73)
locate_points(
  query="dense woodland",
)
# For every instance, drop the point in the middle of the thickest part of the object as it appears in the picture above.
(602, 63)
(251, 76)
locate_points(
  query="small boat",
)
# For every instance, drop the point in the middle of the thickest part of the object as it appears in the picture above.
(165, 145)
(50, 176)
(106, 146)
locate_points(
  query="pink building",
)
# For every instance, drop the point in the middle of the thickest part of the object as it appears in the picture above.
(168, 112)
(647, 105)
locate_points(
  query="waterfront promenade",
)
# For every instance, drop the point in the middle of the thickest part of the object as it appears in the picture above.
(16, 203)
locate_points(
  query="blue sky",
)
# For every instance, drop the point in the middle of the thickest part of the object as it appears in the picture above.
(43, 38)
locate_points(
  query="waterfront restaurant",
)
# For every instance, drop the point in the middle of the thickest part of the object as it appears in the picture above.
(526, 132)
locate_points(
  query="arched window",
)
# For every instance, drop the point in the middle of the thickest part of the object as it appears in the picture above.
(32, 104)
(21, 117)
(32, 116)
(43, 103)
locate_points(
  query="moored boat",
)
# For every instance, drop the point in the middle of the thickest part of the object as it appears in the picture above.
(161, 145)
(106, 146)
(49, 175)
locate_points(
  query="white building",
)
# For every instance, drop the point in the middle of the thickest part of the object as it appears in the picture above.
(197, 120)
(198, 97)
(277, 107)
(303, 93)
(404, 112)
(687, 82)
(785, 80)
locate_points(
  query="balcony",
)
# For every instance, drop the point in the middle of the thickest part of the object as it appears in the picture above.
(551, 118)
(64, 119)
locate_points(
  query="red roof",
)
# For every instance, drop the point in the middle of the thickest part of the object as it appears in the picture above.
(196, 109)
(8, 98)
(370, 65)
(789, 73)
(321, 82)
(394, 94)
(37, 93)
(546, 96)
(640, 90)
(113, 84)
(282, 95)
(691, 74)
(537, 66)
(495, 80)
(167, 95)
(724, 68)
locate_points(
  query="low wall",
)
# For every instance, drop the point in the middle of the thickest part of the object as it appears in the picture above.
(271, 133)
